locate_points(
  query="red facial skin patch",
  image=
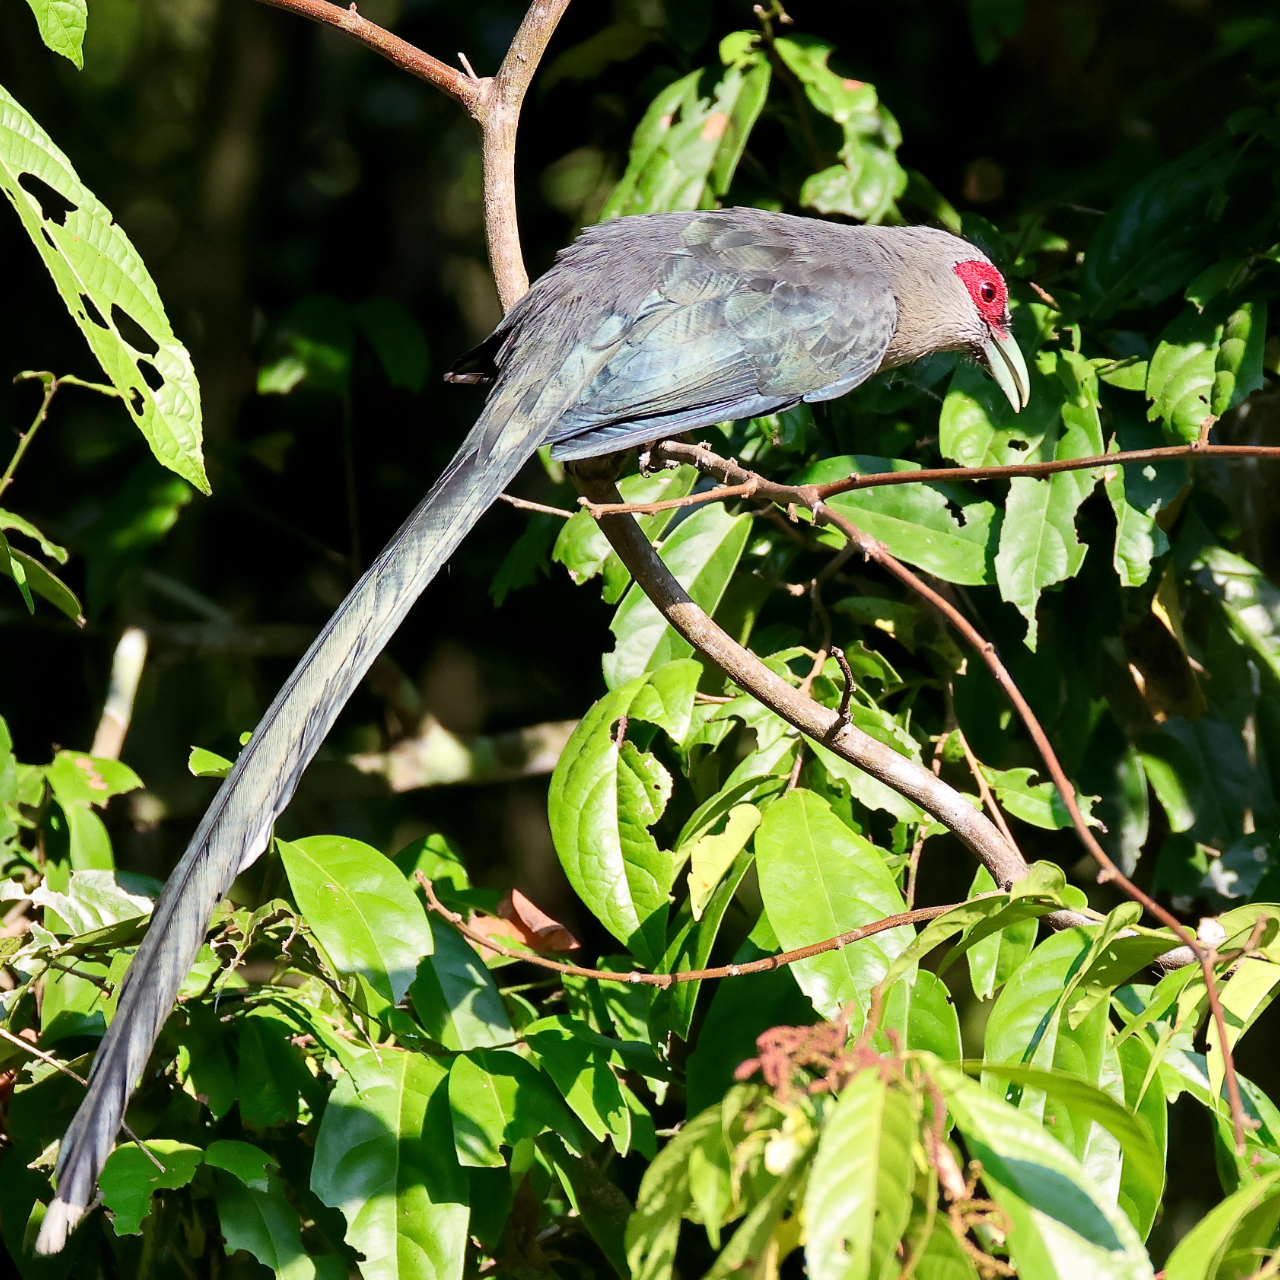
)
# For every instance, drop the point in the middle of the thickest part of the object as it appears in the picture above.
(987, 289)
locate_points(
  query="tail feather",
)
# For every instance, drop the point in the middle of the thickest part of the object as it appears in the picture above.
(235, 830)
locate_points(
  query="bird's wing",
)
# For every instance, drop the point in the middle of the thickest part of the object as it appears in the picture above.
(747, 316)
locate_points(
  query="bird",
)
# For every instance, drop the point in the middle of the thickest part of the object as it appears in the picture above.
(644, 327)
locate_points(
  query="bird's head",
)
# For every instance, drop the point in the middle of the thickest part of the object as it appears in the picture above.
(992, 343)
(950, 297)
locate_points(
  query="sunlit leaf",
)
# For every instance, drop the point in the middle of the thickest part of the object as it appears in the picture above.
(362, 910)
(105, 286)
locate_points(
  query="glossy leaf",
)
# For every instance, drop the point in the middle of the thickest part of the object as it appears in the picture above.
(1038, 542)
(922, 1014)
(818, 879)
(603, 798)
(361, 909)
(1148, 245)
(107, 289)
(995, 958)
(858, 1196)
(916, 522)
(264, 1224)
(499, 1099)
(1200, 1252)
(29, 575)
(384, 1156)
(248, 1163)
(454, 994)
(579, 1066)
(62, 24)
(702, 554)
(129, 1177)
(1063, 1225)
(686, 149)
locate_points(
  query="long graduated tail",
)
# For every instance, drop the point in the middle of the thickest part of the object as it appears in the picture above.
(235, 830)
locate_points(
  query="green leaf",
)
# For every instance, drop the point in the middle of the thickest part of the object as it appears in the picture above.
(362, 911)
(30, 575)
(1152, 241)
(129, 1177)
(1137, 496)
(1249, 600)
(1238, 369)
(498, 1099)
(247, 1162)
(208, 764)
(604, 797)
(384, 1157)
(818, 879)
(108, 291)
(92, 900)
(578, 1063)
(858, 1197)
(263, 1223)
(397, 340)
(1141, 1184)
(1038, 542)
(455, 997)
(869, 180)
(270, 1071)
(686, 149)
(654, 1228)
(1037, 803)
(915, 521)
(1244, 996)
(922, 1014)
(1064, 1225)
(711, 856)
(16, 569)
(1201, 1251)
(1082, 1098)
(78, 778)
(584, 550)
(1181, 374)
(978, 427)
(11, 520)
(62, 25)
(750, 1239)
(527, 558)
(994, 958)
(702, 554)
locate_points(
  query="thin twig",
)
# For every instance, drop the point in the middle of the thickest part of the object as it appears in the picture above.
(466, 90)
(811, 496)
(80, 1080)
(997, 814)
(838, 654)
(597, 510)
(523, 504)
(637, 977)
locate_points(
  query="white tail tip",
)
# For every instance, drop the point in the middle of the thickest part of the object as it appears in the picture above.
(60, 1221)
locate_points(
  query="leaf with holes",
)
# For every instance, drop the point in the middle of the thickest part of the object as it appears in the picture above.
(858, 1197)
(107, 289)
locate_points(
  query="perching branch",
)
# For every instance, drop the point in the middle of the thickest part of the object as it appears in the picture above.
(492, 102)
(814, 720)
(731, 473)
(637, 977)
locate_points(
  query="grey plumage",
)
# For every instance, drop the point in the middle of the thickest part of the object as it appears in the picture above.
(644, 327)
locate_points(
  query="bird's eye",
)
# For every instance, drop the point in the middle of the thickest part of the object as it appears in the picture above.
(988, 292)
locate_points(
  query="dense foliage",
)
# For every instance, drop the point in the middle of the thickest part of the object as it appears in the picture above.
(347, 1086)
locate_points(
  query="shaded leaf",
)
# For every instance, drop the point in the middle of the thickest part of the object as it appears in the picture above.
(129, 1177)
